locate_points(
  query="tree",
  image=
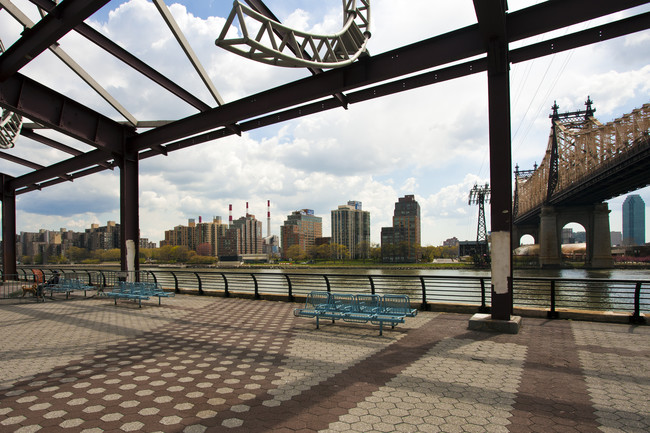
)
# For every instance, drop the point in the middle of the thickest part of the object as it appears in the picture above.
(76, 254)
(341, 252)
(294, 252)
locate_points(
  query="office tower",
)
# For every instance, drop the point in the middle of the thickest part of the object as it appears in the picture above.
(301, 228)
(633, 220)
(401, 242)
(351, 228)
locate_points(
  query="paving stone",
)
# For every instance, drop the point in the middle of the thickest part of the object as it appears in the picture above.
(179, 367)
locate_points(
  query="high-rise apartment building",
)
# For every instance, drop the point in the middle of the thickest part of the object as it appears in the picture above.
(633, 220)
(203, 237)
(351, 228)
(243, 237)
(300, 228)
(401, 242)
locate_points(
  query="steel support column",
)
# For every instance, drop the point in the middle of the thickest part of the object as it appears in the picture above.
(8, 229)
(129, 212)
(492, 23)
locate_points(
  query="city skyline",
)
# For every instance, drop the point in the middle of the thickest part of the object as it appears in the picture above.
(430, 142)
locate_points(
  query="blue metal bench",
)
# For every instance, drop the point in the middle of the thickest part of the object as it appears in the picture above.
(137, 291)
(358, 308)
(68, 285)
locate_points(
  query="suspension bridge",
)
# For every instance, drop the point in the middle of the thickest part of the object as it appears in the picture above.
(586, 163)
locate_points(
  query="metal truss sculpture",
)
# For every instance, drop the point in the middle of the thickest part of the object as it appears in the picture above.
(10, 123)
(578, 146)
(268, 41)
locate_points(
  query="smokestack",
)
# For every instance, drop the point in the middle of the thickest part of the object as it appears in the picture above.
(268, 218)
(229, 215)
(200, 219)
(247, 209)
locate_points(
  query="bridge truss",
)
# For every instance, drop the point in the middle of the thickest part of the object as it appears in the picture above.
(586, 161)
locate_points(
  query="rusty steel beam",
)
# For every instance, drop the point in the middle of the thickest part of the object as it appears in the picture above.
(71, 165)
(63, 18)
(49, 108)
(336, 84)
(491, 16)
(29, 133)
(449, 47)
(129, 59)
(8, 228)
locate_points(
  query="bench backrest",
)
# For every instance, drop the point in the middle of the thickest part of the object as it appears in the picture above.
(397, 304)
(317, 300)
(39, 276)
(343, 302)
(367, 303)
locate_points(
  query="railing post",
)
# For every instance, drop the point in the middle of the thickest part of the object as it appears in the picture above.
(257, 293)
(176, 289)
(198, 277)
(226, 293)
(552, 314)
(483, 308)
(425, 305)
(286, 276)
(153, 275)
(372, 285)
(327, 282)
(636, 316)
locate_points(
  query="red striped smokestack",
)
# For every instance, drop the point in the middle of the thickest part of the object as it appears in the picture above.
(229, 215)
(246, 208)
(268, 218)
(200, 219)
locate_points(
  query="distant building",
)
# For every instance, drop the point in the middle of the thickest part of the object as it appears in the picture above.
(451, 242)
(633, 220)
(616, 238)
(401, 242)
(271, 245)
(300, 228)
(351, 228)
(203, 237)
(243, 237)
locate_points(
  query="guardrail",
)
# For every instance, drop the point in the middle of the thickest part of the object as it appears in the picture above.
(555, 296)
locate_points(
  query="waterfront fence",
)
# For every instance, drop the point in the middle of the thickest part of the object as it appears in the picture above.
(440, 293)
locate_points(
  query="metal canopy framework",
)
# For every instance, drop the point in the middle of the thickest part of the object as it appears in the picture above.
(477, 48)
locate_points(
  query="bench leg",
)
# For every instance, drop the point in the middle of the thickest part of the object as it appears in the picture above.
(115, 299)
(317, 324)
(381, 325)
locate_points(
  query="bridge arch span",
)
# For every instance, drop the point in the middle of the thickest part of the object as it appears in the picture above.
(595, 220)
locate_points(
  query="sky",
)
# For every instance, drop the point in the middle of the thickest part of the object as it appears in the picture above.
(431, 142)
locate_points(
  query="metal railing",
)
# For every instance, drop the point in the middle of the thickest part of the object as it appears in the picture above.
(470, 293)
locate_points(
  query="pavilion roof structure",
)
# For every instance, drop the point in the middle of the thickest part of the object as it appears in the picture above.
(102, 137)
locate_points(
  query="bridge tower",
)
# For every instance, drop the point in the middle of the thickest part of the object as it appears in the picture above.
(579, 146)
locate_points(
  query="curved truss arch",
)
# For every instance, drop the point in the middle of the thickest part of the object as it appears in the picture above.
(10, 123)
(276, 44)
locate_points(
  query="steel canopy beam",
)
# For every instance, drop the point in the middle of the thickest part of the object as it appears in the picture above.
(552, 46)
(47, 107)
(450, 42)
(63, 18)
(120, 53)
(439, 50)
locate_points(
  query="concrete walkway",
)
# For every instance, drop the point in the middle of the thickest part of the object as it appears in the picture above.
(202, 364)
